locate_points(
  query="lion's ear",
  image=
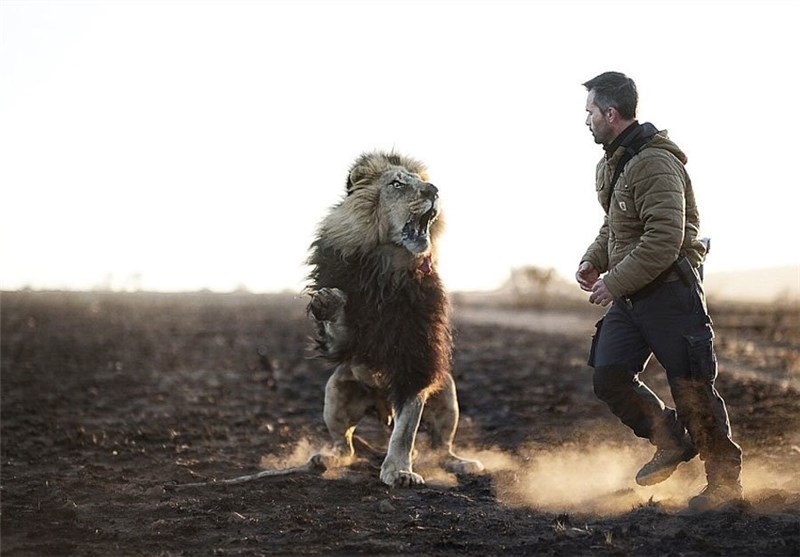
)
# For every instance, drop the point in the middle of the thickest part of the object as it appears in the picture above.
(357, 175)
(351, 178)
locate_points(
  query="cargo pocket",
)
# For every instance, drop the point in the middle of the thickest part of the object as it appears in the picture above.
(595, 337)
(702, 359)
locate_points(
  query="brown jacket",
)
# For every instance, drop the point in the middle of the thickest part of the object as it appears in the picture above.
(651, 217)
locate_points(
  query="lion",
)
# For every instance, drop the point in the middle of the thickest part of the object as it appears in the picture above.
(383, 318)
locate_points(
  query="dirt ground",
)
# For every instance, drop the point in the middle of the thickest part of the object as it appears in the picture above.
(108, 398)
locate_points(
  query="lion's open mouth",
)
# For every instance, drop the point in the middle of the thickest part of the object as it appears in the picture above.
(416, 232)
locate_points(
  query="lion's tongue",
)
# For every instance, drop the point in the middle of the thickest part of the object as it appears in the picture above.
(425, 265)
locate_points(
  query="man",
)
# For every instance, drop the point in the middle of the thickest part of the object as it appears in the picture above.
(647, 262)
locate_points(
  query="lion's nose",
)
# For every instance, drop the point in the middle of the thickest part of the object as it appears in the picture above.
(430, 191)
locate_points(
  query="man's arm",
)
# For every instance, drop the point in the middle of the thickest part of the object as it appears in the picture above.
(593, 263)
(597, 254)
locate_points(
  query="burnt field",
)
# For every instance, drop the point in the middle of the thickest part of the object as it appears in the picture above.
(108, 400)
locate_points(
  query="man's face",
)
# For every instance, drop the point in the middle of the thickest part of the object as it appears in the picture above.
(598, 123)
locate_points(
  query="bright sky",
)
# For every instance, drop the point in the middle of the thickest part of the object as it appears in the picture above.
(179, 145)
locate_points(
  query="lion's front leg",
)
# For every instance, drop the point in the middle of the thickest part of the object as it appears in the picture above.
(396, 469)
(441, 416)
(327, 309)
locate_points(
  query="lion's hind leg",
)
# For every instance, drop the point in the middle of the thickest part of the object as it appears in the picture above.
(441, 416)
(346, 402)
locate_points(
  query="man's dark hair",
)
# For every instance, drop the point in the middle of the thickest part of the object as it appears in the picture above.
(614, 89)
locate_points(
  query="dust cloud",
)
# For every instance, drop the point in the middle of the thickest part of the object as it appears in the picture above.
(766, 475)
(600, 480)
(573, 479)
(300, 454)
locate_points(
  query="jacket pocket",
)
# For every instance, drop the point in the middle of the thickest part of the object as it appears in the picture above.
(595, 338)
(702, 359)
(623, 204)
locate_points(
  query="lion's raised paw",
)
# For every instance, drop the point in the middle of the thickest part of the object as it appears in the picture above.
(327, 303)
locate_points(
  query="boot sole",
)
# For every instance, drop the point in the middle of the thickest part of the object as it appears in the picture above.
(662, 474)
(656, 477)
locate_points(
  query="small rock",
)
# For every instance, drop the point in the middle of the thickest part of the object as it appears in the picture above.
(155, 491)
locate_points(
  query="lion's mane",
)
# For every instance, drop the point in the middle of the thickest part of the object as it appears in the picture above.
(398, 316)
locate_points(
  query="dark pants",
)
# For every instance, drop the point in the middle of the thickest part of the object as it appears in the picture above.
(672, 322)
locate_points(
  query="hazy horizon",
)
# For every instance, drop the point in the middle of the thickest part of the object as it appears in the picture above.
(765, 286)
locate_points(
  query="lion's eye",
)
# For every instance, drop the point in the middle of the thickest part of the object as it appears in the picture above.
(398, 184)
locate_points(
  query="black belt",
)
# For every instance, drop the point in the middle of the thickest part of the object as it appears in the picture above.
(676, 271)
(671, 276)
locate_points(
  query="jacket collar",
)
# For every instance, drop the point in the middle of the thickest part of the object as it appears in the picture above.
(618, 141)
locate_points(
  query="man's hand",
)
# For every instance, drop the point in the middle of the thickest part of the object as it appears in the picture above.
(600, 294)
(587, 276)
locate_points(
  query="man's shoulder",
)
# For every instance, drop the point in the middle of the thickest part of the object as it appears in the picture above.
(662, 146)
(655, 168)
(655, 158)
